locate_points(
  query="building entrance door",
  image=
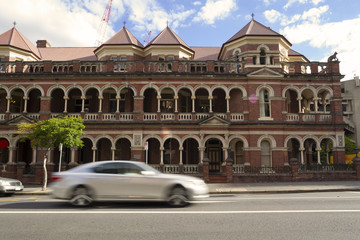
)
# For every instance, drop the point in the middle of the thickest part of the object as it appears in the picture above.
(214, 151)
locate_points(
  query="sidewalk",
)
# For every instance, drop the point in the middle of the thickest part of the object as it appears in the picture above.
(273, 187)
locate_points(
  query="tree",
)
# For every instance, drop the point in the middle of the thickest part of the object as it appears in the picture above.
(50, 133)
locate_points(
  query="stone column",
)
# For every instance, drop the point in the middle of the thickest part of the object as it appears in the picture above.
(100, 103)
(162, 155)
(66, 98)
(210, 103)
(25, 103)
(318, 155)
(83, 104)
(299, 100)
(8, 104)
(201, 151)
(176, 98)
(11, 155)
(113, 149)
(181, 156)
(227, 104)
(158, 109)
(94, 153)
(302, 155)
(193, 103)
(118, 103)
(316, 104)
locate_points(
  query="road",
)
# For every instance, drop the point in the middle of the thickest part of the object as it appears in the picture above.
(334, 215)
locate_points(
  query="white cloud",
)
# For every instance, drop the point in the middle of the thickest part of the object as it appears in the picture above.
(62, 23)
(291, 2)
(197, 3)
(313, 15)
(338, 36)
(272, 15)
(214, 10)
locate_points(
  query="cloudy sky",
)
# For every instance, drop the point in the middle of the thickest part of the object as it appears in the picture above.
(316, 28)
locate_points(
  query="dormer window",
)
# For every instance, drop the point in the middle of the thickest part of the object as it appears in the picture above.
(262, 57)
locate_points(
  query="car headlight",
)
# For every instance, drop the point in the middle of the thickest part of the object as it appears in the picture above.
(197, 182)
(4, 183)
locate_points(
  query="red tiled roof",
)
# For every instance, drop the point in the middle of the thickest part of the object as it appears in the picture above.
(254, 28)
(68, 53)
(168, 37)
(295, 53)
(206, 53)
(15, 39)
(123, 37)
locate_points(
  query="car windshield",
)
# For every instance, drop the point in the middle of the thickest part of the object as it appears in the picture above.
(123, 168)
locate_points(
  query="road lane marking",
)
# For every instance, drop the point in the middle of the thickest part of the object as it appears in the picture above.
(181, 212)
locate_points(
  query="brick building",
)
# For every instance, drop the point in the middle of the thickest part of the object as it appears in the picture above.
(253, 95)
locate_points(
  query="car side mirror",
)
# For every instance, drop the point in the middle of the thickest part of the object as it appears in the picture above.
(148, 173)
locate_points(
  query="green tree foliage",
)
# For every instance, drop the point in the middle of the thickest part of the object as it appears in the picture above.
(350, 145)
(50, 133)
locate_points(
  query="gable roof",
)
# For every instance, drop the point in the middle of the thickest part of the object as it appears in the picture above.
(68, 53)
(168, 37)
(124, 37)
(295, 53)
(15, 39)
(254, 28)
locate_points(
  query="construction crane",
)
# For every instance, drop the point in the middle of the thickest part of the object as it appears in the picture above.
(103, 24)
(147, 41)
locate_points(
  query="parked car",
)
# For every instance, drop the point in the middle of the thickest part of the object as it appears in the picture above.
(127, 181)
(9, 186)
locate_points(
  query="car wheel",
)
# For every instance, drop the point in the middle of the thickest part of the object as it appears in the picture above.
(81, 197)
(178, 197)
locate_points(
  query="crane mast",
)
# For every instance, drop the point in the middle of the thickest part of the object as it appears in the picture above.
(103, 24)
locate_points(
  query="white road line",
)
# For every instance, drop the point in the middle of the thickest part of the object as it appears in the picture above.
(179, 212)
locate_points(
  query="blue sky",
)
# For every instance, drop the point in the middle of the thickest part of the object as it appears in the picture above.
(316, 28)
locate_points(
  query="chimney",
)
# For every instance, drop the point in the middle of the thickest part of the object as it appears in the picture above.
(357, 83)
(42, 44)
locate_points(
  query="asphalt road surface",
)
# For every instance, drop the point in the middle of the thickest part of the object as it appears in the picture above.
(244, 216)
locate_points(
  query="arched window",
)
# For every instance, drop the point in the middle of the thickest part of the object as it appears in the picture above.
(265, 154)
(262, 57)
(239, 153)
(264, 103)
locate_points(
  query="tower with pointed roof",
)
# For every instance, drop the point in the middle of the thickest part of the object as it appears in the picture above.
(15, 46)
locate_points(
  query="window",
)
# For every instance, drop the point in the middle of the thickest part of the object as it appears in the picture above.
(262, 57)
(2, 67)
(122, 67)
(239, 153)
(170, 58)
(264, 103)
(265, 154)
(114, 58)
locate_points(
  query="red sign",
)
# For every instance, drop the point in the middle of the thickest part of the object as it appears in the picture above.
(3, 144)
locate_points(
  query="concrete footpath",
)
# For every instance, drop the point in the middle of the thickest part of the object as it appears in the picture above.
(273, 187)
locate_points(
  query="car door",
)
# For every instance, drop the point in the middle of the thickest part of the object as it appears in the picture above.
(142, 186)
(109, 182)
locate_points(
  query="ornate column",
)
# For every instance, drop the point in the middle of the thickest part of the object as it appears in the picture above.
(8, 104)
(118, 103)
(225, 154)
(66, 98)
(11, 155)
(299, 100)
(94, 153)
(181, 156)
(193, 103)
(227, 104)
(162, 155)
(158, 98)
(176, 103)
(201, 150)
(25, 103)
(318, 155)
(113, 149)
(302, 155)
(83, 104)
(316, 104)
(100, 103)
(210, 103)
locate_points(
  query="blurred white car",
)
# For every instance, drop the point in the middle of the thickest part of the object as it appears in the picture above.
(10, 186)
(125, 180)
